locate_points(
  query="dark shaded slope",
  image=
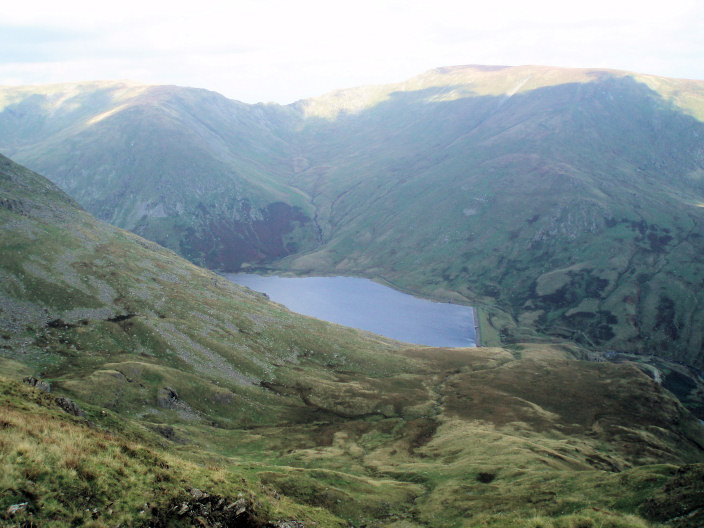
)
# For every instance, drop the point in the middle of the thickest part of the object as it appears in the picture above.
(188, 168)
(577, 207)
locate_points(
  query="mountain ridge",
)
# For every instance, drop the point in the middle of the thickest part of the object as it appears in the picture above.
(514, 189)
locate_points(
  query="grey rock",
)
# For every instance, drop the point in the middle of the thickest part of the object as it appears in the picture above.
(69, 406)
(240, 506)
(198, 494)
(17, 508)
(37, 383)
(167, 398)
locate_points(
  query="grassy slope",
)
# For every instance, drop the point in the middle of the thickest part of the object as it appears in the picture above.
(566, 203)
(78, 295)
(573, 206)
(112, 472)
(187, 168)
(190, 381)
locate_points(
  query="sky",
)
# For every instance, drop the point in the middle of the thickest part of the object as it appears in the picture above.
(283, 50)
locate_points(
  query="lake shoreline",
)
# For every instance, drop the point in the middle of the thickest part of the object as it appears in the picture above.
(371, 305)
(455, 298)
(477, 335)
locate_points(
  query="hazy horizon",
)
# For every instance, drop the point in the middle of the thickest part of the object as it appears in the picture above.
(281, 52)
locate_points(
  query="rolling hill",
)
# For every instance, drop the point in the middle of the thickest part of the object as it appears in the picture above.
(566, 204)
(194, 171)
(194, 402)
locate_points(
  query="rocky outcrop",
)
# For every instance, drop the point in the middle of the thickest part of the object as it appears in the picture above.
(16, 206)
(199, 508)
(66, 404)
(167, 398)
(37, 383)
(571, 220)
(70, 407)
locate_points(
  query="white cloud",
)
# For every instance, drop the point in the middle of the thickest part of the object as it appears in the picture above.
(282, 50)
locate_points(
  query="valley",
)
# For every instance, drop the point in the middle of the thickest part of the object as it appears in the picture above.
(566, 205)
(199, 402)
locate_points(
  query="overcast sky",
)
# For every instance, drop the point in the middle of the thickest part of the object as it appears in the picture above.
(284, 50)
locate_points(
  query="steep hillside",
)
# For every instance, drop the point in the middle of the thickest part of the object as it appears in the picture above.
(87, 298)
(188, 168)
(196, 402)
(572, 200)
(566, 203)
(199, 403)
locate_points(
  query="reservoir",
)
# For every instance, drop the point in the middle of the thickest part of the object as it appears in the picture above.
(367, 305)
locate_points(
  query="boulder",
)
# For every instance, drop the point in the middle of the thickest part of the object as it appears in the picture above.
(166, 398)
(37, 383)
(17, 508)
(69, 406)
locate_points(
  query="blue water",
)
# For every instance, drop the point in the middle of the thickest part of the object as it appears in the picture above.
(367, 305)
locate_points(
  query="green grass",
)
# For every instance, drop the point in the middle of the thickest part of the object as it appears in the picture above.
(190, 381)
(530, 189)
(492, 187)
(74, 473)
